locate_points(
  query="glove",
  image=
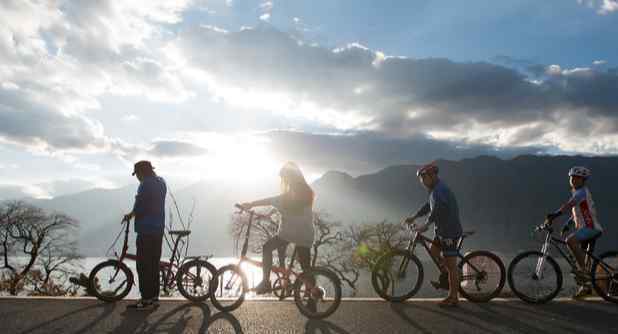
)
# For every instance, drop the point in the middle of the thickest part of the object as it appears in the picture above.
(551, 216)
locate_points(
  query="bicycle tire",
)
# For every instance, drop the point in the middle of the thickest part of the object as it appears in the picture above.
(185, 269)
(610, 292)
(310, 275)
(487, 296)
(106, 297)
(219, 278)
(378, 276)
(522, 295)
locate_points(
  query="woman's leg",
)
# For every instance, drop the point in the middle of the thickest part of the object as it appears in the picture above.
(267, 256)
(304, 257)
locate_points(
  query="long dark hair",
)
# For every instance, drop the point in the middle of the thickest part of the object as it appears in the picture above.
(294, 188)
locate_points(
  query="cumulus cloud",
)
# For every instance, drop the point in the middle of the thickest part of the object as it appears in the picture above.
(355, 88)
(57, 58)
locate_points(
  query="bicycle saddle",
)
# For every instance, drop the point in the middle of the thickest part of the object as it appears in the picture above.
(466, 234)
(180, 233)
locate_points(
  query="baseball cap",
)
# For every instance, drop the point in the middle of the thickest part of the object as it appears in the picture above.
(142, 165)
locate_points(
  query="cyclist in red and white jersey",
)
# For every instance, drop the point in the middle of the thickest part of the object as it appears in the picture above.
(583, 216)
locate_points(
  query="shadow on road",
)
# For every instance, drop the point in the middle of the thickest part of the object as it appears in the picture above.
(323, 327)
(186, 319)
(107, 311)
(518, 317)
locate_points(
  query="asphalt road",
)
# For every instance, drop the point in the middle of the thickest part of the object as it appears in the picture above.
(353, 316)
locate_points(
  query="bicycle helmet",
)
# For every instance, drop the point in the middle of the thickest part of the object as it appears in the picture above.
(429, 168)
(580, 171)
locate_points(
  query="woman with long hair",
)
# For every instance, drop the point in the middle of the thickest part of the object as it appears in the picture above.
(295, 204)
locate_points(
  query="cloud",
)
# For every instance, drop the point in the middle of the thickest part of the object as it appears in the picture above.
(12, 192)
(267, 6)
(36, 125)
(58, 58)
(599, 62)
(366, 152)
(603, 7)
(168, 148)
(354, 88)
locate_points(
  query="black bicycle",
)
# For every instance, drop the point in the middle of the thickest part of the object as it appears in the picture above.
(535, 277)
(398, 275)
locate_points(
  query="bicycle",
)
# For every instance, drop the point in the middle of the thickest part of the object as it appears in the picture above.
(535, 277)
(312, 289)
(398, 275)
(112, 280)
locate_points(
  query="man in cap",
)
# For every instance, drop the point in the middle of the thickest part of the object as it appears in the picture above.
(149, 224)
(443, 211)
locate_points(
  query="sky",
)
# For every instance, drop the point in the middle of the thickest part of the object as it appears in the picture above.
(228, 90)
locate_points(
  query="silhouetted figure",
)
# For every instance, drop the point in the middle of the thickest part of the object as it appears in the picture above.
(296, 207)
(149, 224)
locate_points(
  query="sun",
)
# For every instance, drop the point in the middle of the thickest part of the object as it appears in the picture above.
(241, 159)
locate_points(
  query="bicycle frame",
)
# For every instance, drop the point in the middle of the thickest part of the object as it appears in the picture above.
(168, 268)
(426, 242)
(286, 273)
(561, 246)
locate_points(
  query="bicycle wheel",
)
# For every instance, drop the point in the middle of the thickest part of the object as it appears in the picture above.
(605, 276)
(110, 281)
(397, 276)
(482, 276)
(317, 293)
(229, 292)
(194, 279)
(530, 287)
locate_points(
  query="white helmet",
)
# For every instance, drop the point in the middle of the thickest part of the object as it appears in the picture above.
(580, 171)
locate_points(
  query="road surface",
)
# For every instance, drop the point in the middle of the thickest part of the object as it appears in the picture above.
(46, 315)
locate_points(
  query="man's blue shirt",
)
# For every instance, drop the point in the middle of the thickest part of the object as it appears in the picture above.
(149, 207)
(443, 211)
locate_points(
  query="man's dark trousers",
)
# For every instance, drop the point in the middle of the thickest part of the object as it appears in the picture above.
(148, 258)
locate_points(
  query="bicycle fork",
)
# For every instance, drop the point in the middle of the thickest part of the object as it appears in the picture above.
(541, 261)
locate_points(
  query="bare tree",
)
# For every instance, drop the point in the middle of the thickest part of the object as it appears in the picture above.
(261, 229)
(371, 241)
(332, 250)
(45, 241)
(329, 248)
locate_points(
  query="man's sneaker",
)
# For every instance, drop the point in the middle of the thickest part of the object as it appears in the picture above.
(142, 304)
(442, 283)
(263, 288)
(583, 292)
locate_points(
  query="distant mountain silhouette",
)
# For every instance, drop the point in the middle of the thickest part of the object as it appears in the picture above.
(501, 199)
(100, 212)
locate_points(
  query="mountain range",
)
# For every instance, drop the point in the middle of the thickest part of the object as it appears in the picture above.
(501, 199)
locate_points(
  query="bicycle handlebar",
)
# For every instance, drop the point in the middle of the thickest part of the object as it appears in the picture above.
(546, 226)
(255, 214)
